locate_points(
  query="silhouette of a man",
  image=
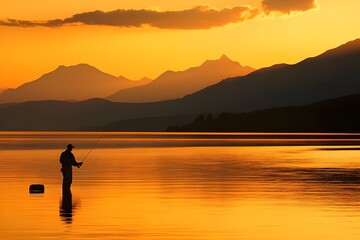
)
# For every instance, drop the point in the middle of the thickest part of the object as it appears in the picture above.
(67, 160)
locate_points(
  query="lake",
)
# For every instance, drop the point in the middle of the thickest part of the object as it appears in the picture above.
(182, 186)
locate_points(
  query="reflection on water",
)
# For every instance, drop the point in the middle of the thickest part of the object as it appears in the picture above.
(219, 189)
(67, 207)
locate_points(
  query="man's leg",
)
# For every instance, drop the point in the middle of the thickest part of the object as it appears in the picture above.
(67, 180)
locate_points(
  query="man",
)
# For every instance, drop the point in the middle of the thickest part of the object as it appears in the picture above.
(67, 160)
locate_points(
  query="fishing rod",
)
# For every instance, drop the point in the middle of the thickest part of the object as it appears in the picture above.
(93, 146)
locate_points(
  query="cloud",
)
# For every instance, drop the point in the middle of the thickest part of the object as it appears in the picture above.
(195, 18)
(288, 6)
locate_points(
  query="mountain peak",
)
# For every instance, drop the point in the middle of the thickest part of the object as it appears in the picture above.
(61, 67)
(83, 65)
(222, 60)
(225, 58)
(75, 70)
(80, 65)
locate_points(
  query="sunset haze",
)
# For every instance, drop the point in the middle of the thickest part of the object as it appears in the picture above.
(262, 34)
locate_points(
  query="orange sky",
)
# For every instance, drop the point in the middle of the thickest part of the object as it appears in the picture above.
(277, 31)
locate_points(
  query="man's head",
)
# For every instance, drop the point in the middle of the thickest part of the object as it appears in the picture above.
(70, 147)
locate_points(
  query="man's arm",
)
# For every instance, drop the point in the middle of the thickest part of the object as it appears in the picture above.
(74, 162)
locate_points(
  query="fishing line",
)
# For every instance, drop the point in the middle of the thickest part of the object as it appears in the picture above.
(93, 146)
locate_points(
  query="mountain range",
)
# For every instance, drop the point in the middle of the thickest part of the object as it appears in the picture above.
(72, 83)
(81, 82)
(172, 85)
(332, 74)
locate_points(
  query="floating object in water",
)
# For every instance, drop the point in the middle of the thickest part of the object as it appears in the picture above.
(36, 188)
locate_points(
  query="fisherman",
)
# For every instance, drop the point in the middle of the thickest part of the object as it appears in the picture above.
(67, 160)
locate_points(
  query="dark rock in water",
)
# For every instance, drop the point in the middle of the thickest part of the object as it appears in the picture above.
(36, 188)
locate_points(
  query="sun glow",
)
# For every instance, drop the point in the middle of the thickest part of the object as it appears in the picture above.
(138, 52)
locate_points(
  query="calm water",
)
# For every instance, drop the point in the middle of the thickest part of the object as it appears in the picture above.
(182, 186)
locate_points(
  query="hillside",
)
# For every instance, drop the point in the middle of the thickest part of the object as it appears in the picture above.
(335, 115)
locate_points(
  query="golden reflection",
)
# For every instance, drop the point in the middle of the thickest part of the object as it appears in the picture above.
(266, 192)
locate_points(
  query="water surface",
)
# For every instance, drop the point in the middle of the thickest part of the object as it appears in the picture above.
(182, 186)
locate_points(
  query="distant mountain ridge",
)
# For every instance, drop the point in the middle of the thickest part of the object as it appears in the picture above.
(335, 115)
(332, 74)
(172, 85)
(77, 82)
(82, 81)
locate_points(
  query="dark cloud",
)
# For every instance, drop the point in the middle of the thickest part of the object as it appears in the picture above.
(195, 18)
(288, 6)
(25, 23)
